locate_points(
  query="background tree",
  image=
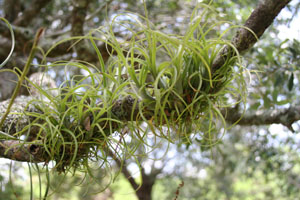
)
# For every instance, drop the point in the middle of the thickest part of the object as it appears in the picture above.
(272, 93)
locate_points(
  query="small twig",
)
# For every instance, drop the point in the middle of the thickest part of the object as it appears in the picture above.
(178, 189)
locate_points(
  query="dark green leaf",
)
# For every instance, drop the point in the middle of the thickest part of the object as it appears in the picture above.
(291, 82)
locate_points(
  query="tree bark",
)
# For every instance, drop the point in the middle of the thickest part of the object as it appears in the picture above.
(145, 191)
(284, 116)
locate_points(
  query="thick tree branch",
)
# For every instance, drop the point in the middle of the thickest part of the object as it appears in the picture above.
(15, 150)
(17, 120)
(122, 110)
(260, 19)
(286, 117)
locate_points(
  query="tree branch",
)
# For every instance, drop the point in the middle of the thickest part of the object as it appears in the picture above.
(16, 150)
(260, 19)
(286, 117)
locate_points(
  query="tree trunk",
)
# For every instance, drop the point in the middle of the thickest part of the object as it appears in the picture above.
(145, 191)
